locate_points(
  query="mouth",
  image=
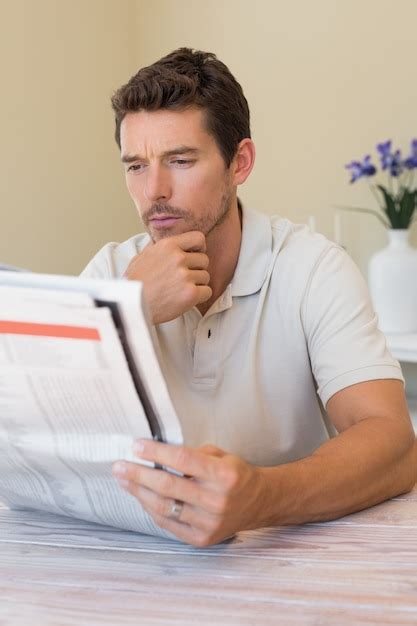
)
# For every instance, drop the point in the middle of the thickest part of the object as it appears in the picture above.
(163, 221)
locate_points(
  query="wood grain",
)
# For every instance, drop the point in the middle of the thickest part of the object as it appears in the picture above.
(361, 569)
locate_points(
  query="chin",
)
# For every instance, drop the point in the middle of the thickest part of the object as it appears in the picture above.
(162, 233)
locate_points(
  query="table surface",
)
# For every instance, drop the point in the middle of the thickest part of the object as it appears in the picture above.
(361, 569)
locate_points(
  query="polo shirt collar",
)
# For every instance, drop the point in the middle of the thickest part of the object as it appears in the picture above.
(255, 253)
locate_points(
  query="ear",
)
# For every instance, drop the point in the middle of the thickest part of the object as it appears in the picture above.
(243, 161)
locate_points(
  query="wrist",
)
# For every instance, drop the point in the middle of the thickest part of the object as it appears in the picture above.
(286, 493)
(269, 500)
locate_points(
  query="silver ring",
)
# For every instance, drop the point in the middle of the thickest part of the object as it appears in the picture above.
(176, 509)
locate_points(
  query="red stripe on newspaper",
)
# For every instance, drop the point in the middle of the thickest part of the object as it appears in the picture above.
(48, 330)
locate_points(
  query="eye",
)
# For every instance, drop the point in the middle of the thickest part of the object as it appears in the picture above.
(137, 167)
(182, 162)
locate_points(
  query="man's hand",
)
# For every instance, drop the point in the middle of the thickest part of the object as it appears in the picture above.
(222, 494)
(174, 275)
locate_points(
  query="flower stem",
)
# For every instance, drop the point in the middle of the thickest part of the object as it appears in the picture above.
(376, 195)
(356, 209)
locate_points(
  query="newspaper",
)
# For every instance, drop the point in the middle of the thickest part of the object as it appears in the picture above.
(10, 268)
(79, 382)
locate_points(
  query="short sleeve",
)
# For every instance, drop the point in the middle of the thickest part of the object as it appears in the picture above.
(101, 265)
(341, 327)
(113, 258)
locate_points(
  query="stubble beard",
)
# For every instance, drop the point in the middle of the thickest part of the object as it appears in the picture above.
(211, 220)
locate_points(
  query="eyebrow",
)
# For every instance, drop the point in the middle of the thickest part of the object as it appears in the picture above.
(129, 158)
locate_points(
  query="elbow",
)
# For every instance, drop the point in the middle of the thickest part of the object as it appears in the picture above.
(409, 462)
(414, 462)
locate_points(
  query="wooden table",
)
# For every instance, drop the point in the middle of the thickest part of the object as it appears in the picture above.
(361, 569)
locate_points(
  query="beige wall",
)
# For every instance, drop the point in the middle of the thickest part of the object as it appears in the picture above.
(325, 80)
(61, 190)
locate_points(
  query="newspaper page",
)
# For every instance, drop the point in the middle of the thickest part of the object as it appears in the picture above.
(10, 268)
(69, 405)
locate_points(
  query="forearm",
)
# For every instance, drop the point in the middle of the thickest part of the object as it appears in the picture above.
(368, 463)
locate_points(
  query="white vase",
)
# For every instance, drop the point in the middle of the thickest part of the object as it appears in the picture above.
(393, 284)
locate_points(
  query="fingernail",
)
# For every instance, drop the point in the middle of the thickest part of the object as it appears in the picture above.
(124, 484)
(138, 447)
(119, 469)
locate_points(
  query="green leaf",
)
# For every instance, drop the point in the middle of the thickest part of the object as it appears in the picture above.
(407, 203)
(390, 208)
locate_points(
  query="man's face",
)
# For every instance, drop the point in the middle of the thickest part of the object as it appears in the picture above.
(175, 172)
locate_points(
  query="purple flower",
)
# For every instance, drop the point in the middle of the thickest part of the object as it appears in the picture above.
(389, 160)
(396, 166)
(384, 149)
(411, 161)
(358, 169)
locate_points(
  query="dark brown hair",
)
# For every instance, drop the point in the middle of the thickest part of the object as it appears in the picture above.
(186, 78)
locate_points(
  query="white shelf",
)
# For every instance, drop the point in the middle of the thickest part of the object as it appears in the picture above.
(412, 405)
(403, 347)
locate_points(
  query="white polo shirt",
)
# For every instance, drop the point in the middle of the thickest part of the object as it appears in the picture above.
(293, 327)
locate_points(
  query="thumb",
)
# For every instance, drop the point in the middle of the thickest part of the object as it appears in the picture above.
(211, 450)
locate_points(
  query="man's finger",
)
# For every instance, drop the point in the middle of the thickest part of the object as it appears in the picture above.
(204, 293)
(179, 458)
(184, 532)
(200, 277)
(197, 261)
(211, 450)
(191, 241)
(157, 505)
(165, 484)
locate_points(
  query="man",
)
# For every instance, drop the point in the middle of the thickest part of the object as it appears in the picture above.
(268, 341)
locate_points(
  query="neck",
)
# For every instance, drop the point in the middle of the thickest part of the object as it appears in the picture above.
(223, 247)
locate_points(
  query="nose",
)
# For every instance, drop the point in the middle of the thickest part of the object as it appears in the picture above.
(157, 184)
